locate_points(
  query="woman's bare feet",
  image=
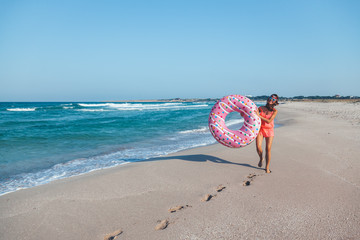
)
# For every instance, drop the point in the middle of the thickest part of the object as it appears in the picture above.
(261, 162)
(267, 170)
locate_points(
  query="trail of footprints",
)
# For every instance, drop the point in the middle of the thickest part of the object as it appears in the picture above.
(163, 224)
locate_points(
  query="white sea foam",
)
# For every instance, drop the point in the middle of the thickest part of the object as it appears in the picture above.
(92, 110)
(141, 106)
(79, 166)
(68, 106)
(94, 105)
(21, 109)
(198, 130)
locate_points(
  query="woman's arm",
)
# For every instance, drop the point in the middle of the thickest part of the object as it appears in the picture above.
(271, 118)
(265, 119)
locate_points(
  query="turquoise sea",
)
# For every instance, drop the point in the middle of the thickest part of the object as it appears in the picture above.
(42, 142)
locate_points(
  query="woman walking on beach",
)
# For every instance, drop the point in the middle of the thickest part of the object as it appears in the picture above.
(267, 114)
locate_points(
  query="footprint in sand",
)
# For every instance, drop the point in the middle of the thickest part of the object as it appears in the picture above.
(177, 208)
(114, 235)
(207, 197)
(251, 178)
(220, 188)
(162, 225)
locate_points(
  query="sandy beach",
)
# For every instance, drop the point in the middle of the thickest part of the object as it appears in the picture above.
(313, 191)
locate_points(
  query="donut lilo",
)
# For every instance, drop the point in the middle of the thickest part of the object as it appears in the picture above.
(249, 130)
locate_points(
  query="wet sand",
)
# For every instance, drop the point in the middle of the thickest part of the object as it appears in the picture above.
(212, 192)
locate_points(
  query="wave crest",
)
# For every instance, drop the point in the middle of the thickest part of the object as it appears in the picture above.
(21, 109)
(140, 106)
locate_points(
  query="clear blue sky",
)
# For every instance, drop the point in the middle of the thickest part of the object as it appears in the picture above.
(111, 50)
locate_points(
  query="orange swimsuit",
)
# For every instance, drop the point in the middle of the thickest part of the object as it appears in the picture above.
(267, 129)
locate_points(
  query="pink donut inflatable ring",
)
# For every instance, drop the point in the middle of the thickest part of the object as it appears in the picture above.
(249, 130)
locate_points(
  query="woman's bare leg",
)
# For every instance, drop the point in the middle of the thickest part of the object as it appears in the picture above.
(259, 140)
(268, 153)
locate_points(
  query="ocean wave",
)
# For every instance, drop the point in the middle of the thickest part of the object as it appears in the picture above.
(121, 156)
(115, 105)
(114, 137)
(141, 106)
(94, 104)
(198, 130)
(92, 110)
(21, 109)
(58, 171)
(42, 108)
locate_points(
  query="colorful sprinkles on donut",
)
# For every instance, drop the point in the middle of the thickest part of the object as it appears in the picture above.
(234, 103)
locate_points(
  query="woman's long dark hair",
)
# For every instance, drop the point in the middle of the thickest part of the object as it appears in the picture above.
(271, 106)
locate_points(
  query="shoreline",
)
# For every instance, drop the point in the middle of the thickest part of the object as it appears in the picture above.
(312, 193)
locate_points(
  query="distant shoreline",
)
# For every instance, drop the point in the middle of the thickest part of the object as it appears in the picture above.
(179, 100)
